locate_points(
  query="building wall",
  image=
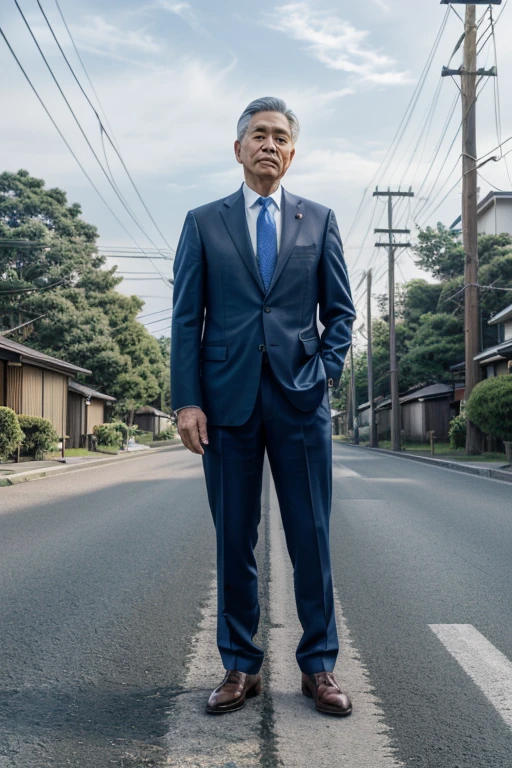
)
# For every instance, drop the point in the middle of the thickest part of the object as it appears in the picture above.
(56, 400)
(497, 218)
(32, 391)
(413, 420)
(2, 382)
(95, 414)
(507, 330)
(76, 420)
(384, 424)
(14, 387)
(437, 417)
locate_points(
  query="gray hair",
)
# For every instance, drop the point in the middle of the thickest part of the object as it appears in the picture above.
(267, 104)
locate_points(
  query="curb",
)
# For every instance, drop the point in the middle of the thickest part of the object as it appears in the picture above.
(491, 474)
(38, 474)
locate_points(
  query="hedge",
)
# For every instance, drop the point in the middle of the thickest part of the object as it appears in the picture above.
(490, 407)
(11, 434)
(107, 434)
(40, 435)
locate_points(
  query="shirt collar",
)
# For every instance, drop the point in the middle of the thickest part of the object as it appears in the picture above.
(251, 197)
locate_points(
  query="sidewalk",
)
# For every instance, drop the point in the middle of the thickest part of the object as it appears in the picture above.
(495, 470)
(13, 474)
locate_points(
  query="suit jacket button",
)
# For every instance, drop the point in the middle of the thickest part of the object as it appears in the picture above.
(267, 309)
(261, 347)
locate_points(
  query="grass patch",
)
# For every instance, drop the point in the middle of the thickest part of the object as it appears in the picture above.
(442, 450)
(71, 452)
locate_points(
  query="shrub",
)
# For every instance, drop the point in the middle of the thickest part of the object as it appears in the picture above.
(107, 434)
(490, 407)
(10, 432)
(166, 434)
(40, 435)
(457, 431)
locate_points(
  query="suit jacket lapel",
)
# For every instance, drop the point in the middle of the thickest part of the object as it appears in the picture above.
(233, 213)
(290, 230)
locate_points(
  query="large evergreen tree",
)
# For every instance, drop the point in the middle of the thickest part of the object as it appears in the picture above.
(61, 279)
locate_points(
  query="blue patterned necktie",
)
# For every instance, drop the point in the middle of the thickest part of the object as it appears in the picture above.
(266, 234)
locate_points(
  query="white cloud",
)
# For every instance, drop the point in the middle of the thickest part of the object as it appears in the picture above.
(382, 5)
(336, 43)
(100, 35)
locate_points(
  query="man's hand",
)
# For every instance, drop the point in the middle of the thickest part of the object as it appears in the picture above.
(192, 429)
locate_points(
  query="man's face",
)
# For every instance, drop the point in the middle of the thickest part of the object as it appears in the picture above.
(267, 150)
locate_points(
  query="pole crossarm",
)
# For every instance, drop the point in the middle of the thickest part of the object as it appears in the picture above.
(470, 2)
(398, 193)
(392, 231)
(393, 245)
(492, 72)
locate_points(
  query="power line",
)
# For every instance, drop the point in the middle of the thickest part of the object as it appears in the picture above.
(103, 130)
(112, 184)
(403, 123)
(73, 154)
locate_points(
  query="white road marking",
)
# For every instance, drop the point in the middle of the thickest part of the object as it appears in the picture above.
(305, 737)
(488, 667)
(341, 470)
(198, 740)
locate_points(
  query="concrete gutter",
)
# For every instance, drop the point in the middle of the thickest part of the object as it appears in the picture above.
(36, 474)
(493, 474)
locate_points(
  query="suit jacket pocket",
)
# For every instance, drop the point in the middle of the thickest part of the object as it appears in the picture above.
(214, 353)
(304, 250)
(311, 346)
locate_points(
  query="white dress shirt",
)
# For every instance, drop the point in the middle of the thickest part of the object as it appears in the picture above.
(252, 210)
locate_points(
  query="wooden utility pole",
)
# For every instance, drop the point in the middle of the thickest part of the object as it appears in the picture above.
(355, 425)
(373, 432)
(469, 221)
(393, 367)
(468, 74)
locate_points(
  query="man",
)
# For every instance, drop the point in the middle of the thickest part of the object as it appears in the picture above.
(250, 372)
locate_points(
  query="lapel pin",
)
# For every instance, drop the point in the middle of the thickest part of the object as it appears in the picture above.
(298, 215)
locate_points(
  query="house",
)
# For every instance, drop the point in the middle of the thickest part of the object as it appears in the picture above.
(152, 420)
(86, 409)
(428, 409)
(35, 384)
(424, 409)
(494, 214)
(497, 360)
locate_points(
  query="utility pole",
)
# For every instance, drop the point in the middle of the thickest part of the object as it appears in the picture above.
(393, 367)
(373, 432)
(468, 74)
(355, 425)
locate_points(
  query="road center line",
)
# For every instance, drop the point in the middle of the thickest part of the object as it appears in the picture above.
(488, 667)
(198, 740)
(306, 738)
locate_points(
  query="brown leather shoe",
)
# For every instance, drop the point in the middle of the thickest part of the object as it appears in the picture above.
(328, 696)
(233, 692)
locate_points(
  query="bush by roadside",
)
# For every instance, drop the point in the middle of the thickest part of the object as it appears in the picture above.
(40, 435)
(107, 435)
(11, 434)
(457, 431)
(490, 407)
(166, 434)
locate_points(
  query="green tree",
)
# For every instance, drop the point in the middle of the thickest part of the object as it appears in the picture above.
(62, 278)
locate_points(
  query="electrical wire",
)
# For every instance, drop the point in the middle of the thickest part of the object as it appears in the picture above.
(403, 123)
(112, 184)
(73, 154)
(103, 131)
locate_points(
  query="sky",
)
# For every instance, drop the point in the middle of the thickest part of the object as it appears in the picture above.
(173, 77)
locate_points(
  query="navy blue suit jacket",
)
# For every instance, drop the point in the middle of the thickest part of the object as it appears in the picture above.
(223, 318)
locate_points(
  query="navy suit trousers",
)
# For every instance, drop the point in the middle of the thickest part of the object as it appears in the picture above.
(299, 449)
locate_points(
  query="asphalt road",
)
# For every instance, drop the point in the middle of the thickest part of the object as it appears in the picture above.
(107, 606)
